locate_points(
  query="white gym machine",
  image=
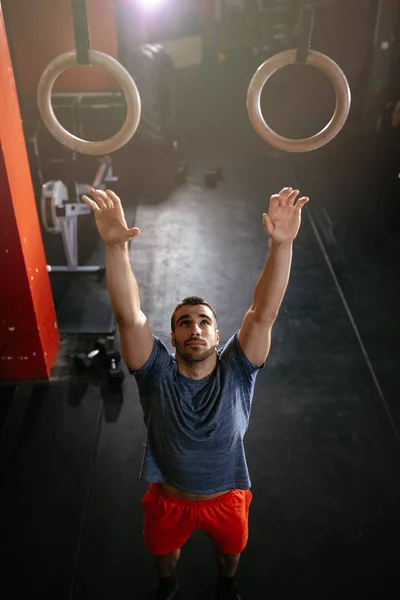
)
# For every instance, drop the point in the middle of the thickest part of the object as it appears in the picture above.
(60, 214)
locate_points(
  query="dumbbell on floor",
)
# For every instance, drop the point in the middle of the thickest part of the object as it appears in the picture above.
(107, 362)
(85, 361)
(115, 375)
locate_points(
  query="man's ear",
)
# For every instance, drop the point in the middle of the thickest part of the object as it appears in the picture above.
(173, 339)
(216, 337)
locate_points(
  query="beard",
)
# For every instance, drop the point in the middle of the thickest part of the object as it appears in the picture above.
(194, 355)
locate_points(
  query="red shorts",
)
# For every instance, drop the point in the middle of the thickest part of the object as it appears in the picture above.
(169, 521)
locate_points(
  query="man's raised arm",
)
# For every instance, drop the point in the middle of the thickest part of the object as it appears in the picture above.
(135, 332)
(282, 225)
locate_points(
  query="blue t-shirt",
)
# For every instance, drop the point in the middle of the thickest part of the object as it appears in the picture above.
(195, 428)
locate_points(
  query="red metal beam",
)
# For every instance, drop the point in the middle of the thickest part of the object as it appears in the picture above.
(29, 337)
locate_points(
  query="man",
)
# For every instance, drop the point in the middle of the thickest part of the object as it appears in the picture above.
(197, 403)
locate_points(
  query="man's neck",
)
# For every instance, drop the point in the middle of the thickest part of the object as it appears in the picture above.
(196, 370)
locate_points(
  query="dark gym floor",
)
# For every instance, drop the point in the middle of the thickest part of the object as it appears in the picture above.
(323, 441)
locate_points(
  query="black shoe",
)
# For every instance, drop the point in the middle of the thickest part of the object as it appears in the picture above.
(168, 590)
(227, 590)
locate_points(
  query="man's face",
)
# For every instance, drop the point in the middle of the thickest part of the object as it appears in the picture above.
(195, 337)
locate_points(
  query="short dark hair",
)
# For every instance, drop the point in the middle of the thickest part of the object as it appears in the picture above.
(191, 301)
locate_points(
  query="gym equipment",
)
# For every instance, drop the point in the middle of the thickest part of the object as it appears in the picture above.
(107, 362)
(212, 177)
(60, 215)
(115, 375)
(153, 70)
(83, 55)
(303, 55)
(85, 361)
(383, 90)
(257, 26)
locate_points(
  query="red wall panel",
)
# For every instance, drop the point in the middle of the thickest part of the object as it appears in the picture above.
(29, 337)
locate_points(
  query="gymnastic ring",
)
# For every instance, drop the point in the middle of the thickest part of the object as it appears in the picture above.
(343, 101)
(129, 88)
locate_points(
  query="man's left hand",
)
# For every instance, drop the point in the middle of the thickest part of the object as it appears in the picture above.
(282, 223)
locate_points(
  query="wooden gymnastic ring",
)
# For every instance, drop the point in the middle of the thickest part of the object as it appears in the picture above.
(343, 101)
(129, 88)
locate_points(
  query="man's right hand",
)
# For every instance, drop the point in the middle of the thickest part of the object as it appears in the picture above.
(110, 218)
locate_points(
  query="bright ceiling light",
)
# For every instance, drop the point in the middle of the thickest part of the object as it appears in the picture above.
(150, 3)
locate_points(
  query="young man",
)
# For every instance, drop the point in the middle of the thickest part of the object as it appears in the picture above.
(196, 403)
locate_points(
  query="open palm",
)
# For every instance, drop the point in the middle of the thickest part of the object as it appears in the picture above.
(282, 223)
(110, 218)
